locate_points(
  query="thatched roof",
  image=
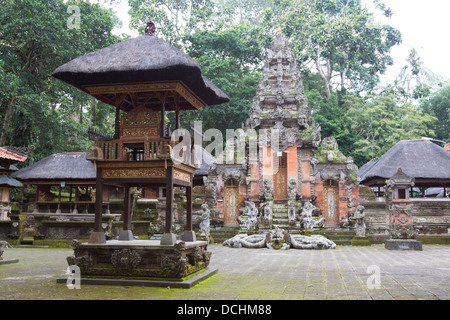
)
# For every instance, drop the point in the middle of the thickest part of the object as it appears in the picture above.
(419, 159)
(7, 156)
(141, 59)
(9, 182)
(207, 161)
(60, 166)
(74, 166)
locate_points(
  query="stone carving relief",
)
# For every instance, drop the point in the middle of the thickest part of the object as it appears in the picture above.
(125, 259)
(358, 217)
(205, 221)
(279, 239)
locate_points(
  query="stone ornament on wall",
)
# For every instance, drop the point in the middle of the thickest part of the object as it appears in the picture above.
(125, 259)
(134, 173)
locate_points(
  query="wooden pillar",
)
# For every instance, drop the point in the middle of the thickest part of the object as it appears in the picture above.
(177, 119)
(126, 234)
(75, 209)
(163, 120)
(117, 123)
(59, 201)
(168, 237)
(98, 236)
(189, 234)
(177, 111)
(189, 208)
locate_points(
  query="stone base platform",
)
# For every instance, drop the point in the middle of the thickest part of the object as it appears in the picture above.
(187, 283)
(8, 261)
(400, 244)
(361, 241)
(143, 260)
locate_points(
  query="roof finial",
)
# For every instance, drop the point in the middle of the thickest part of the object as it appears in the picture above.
(150, 29)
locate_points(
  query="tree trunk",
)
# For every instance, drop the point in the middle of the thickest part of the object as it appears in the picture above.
(7, 121)
(326, 76)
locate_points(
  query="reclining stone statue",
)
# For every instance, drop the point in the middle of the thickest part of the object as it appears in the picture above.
(279, 239)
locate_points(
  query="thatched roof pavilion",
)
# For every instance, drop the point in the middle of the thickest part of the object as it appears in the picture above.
(59, 167)
(8, 157)
(141, 60)
(426, 162)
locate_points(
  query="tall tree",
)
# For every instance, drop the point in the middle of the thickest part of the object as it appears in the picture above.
(380, 121)
(438, 105)
(35, 38)
(174, 18)
(340, 39)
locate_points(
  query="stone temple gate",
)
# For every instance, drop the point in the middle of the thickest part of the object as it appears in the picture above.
(300, 168)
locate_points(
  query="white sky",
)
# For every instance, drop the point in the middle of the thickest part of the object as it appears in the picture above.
(424, 25)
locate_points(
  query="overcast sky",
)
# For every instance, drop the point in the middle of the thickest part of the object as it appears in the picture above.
(424, 25)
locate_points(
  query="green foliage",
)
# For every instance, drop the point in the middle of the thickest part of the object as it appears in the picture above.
(339, 38)
(175, 18)
(228, 59)
(35, 39)
(228, 38)
(438, 105)
(379, 122)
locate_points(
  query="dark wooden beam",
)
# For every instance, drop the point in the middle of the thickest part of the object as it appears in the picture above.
(169, 200)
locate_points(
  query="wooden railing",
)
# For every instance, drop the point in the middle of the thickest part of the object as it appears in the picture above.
(157, 148)
(113, 150)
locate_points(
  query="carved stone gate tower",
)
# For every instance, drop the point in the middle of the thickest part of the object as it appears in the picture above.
(291, 166)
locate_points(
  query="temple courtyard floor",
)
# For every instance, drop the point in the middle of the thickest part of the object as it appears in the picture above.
(344, 273)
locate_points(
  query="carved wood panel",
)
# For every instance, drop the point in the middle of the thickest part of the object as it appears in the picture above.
(331, 198)
(231, 205)
(280, 189)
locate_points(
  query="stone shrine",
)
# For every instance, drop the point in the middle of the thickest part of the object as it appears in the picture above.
(400, 207)
(292, 165)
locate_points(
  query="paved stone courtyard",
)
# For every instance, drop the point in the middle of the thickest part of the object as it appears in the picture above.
(345, 273)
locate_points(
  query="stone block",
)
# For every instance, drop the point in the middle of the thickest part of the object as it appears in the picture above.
(394, 244)
(361, 241)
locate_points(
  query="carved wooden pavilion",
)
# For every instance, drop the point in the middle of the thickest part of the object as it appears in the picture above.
(143, 78)
(8, 157)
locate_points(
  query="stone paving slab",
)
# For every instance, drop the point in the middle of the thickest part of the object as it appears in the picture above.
(345, 273)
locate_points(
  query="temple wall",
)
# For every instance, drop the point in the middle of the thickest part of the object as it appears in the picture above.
(429, 215)
(292, 168)
(343, 201)
(267, 162)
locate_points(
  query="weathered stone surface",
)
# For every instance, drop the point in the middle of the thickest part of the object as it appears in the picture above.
(279, 239)
(396, 244)
(140, 258)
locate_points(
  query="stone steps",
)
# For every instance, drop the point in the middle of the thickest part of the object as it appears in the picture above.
(280, 216)
(223, 233)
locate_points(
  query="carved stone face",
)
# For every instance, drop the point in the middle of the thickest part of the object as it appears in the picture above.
(329, 143)
(276, 238)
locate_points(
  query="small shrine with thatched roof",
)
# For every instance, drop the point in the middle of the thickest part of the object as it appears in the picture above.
(143, 78)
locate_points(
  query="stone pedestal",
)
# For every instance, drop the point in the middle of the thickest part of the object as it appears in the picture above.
(9, 261)
(97, 237)
(126, 235)
(403, 244)
(140, 259)
(168, 239)
(188, 236)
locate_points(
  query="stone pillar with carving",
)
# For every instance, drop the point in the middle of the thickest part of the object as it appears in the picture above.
(403, 236)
